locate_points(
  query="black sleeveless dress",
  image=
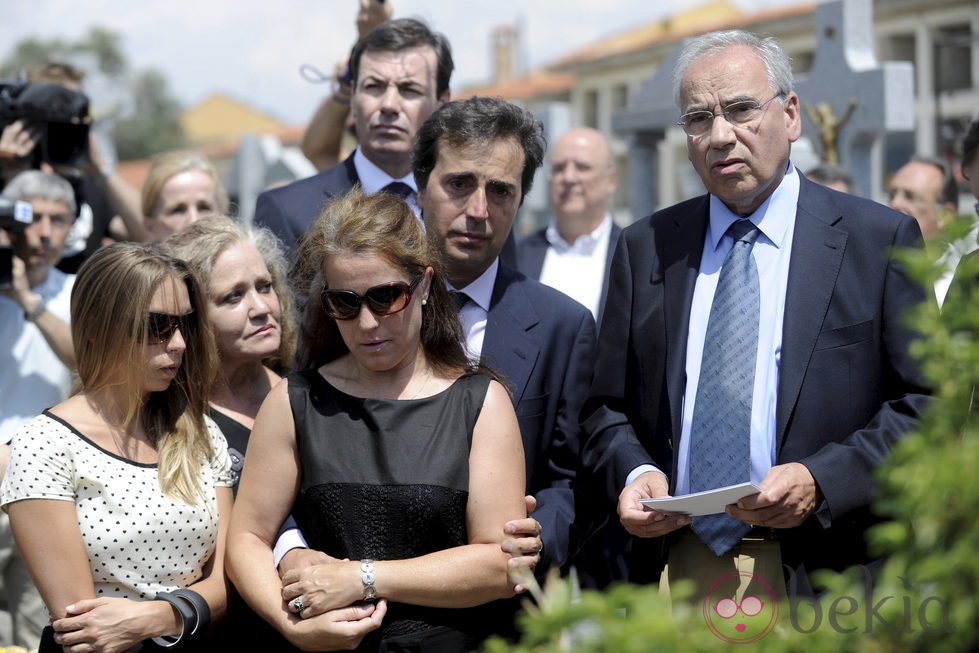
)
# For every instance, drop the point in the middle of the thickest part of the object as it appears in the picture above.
(388, 480)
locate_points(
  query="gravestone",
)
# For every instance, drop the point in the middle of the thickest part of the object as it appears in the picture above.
(845, 70)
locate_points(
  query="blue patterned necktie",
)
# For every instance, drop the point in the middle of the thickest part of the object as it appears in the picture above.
(399, 188)
(720, 434)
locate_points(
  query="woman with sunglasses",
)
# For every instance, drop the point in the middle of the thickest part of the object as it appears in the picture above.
(396, 457)
(243, 271)
(119, 496)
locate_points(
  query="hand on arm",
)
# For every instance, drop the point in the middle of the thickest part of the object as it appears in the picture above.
(789, 494)
(47, 533)
(523, 541)
(268, 488)
(647, 523)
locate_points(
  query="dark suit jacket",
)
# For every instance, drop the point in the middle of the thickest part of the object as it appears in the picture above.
(543, 343)
(290, 210)
(532, 249)
(848, 387)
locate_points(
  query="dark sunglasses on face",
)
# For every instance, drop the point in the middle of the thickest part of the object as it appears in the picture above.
(160, 327)
(382, 299)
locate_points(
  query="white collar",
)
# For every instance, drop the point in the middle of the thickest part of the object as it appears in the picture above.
(773, 218)
(586, 242)
(481, 289)
(373, 179)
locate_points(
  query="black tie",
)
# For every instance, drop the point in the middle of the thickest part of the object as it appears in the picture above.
(460, 298)
(399, 188)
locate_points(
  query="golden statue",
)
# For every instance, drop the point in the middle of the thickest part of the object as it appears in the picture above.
(829, 127)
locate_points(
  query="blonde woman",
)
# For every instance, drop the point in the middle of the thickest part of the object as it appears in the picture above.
(243, 272)
(119, 496)
(182, 187)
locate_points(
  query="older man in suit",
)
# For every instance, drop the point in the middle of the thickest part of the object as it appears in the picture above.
(574, 252)
(401, 71)
(474, 163)
(753, 334)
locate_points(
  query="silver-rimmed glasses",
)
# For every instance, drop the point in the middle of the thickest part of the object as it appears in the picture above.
(739, 114)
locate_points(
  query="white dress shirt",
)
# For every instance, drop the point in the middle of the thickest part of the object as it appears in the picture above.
(772, 252)
(578, 269)
(475, 311)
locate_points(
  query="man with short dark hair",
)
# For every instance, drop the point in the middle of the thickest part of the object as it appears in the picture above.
(474, 163)
(753, 334)
(574, 251)
(401, 71)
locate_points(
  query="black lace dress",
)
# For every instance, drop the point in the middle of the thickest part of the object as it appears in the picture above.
(388, 480)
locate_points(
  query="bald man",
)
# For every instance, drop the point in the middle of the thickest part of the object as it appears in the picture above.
(574, 252)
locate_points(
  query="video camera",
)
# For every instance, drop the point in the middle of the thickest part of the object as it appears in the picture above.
(61, 114)
(15, 216)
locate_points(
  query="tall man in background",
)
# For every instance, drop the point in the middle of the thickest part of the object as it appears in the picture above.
(574, 252)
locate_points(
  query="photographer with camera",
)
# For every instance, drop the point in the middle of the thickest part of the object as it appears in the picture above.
(36, 357)
(45, 125)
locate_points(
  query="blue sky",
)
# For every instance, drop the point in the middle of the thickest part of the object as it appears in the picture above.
(251, 51)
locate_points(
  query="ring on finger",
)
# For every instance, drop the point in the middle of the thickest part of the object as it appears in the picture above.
(297, 605)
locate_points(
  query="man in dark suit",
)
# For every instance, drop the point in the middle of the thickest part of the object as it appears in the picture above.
(474, 163)
(820, 385)
(400, 73)
(574, 252)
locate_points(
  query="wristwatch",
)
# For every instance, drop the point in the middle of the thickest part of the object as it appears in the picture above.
(36, 313)
(367, 578)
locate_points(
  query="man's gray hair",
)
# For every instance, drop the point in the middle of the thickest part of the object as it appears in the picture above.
(34, 184)
(778, 65)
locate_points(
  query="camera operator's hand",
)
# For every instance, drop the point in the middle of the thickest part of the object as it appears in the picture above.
(20, 287)
(372, 13)
(19, 139)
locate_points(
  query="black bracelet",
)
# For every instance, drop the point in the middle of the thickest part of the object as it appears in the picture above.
(202, 611)
(187, 619)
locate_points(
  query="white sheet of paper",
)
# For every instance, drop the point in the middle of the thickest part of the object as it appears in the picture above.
(709, 502)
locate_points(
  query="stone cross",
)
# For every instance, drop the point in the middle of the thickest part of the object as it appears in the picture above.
(844, 72)
(644, 123)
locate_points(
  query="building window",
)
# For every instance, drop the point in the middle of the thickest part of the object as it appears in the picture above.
(620, 96)
(953, 58)
(591, 108)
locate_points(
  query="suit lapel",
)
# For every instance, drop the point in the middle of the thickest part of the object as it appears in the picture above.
(680, 252)
(506, 346)
(817, 254)
(351, 174)
(613, 240)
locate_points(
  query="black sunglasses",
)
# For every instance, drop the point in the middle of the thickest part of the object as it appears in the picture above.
(382, 299)
(160, 327)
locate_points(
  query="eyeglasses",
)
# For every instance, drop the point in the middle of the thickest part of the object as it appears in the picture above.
(382, 299)
(750, 606)
(160, 327)
(698, 123)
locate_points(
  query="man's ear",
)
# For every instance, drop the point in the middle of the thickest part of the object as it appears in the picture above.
(445, 97)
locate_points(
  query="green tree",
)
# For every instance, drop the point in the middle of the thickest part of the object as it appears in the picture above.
(154, 125)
